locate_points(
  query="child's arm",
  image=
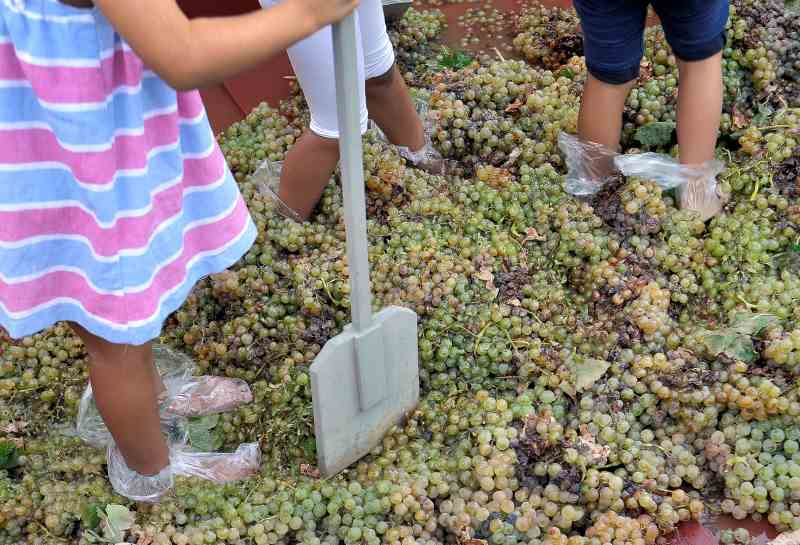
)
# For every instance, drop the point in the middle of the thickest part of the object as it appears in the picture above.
(189, 54)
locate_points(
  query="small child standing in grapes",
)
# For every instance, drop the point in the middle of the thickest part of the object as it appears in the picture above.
(613, 41)
(115, 198)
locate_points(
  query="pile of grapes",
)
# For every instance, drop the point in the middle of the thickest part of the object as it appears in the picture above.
(593, 371)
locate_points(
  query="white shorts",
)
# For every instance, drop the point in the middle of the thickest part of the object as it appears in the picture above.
(312, 61)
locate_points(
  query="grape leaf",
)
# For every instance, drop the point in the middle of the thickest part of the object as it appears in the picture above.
(9, 456)
(455, 60)
(120, 517)
(658, 133)
(588, 371)
(90, 516)
(736, 340)
(202, 435)
(116, 521)
(752, 324)
(567, 73)
(735, 345)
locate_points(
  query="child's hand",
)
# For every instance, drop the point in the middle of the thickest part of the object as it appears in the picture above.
(190, 54)
(326, 12)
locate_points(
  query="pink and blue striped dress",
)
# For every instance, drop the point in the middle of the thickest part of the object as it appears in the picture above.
(114, 196)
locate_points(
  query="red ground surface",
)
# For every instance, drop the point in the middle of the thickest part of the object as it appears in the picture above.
(229, 102)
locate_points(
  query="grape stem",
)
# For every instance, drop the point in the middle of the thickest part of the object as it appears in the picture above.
(328, 292)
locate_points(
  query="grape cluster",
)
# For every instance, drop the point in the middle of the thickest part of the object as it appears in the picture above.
(412, 38)
(548, 36)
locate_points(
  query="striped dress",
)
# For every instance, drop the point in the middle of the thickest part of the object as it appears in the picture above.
(114, 196)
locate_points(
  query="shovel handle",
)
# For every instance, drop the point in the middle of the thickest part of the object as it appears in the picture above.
(352, 168)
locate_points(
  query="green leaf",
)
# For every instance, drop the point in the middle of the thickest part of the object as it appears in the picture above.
(796, 248)
(202, 435)
(455, 60)
(588, 371)
(752, 324)
(309, 447)
(90, 516)
(736, 340)
(567, 73)
(658, 133)
(118, 519)
(9, 456)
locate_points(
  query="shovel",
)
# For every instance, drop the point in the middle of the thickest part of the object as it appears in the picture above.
(366, 379)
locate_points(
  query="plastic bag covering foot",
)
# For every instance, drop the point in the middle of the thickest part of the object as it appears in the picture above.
(202, 396)
(185, 396)
(268, 181)
(133, 485)
(696, 185)
(221, 468)
(218, 467)
(589, 165)
(428, 157)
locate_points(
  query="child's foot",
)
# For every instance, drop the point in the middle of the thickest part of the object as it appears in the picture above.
(135, 486)
(182, 398)
(220, 468)
(703, 195)
(426, 158)
(207, 395)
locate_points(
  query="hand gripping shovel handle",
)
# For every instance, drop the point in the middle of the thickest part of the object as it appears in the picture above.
(355, 209)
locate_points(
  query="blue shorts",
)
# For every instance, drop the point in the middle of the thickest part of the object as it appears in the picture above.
(613, 33)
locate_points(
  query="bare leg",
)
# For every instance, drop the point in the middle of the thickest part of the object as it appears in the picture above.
(699, 108)
(391, 107)
(312, 160)
(600, 118)
(306, 171)
(125, 394)
(161, 389)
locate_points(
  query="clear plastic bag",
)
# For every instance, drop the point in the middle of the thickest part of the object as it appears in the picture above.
(589, 165)
(202, 396)
(185, 396)
(134, 486)
(696, 185)
(428, 157)
(173, 367)
(267, 178)
(218, 467)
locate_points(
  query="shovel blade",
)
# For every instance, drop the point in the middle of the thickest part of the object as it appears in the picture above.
(344, 431)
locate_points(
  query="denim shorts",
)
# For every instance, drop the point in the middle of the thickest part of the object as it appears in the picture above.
(613, 32)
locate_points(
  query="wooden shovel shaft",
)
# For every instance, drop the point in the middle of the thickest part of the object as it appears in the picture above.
(352, 168)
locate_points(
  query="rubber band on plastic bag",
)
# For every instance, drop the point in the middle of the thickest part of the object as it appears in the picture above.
(217, 467)
(267, 178)
(697, 185)
(589, 165)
